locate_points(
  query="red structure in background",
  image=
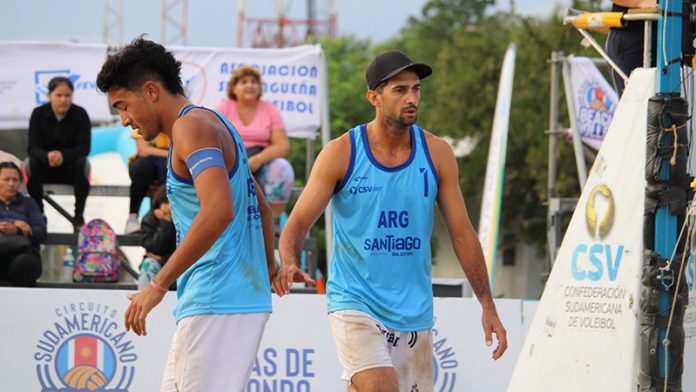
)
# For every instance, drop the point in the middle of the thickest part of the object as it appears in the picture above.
(282, 31)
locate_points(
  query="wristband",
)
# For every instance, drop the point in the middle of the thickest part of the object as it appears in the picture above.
(157, 287)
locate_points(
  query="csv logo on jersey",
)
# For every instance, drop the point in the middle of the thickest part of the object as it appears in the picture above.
(598, 260)
(85, 350)
(361, 185)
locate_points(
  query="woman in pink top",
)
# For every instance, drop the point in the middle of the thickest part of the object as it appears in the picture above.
(263, 132)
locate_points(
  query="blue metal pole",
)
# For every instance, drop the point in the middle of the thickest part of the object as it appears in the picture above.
(668, 86)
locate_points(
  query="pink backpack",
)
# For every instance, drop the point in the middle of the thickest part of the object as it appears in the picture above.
(97, 253)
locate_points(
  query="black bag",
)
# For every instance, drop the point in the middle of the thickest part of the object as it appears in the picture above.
(13, 244)
(253, 150)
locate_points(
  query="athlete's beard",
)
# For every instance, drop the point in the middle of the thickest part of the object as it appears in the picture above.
(402, 122)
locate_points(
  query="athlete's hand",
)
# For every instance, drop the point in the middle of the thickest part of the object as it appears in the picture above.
(141, 303)
(493, 325)
(287, 274)
(272, 272)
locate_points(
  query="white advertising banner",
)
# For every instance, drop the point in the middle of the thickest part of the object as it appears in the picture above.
(293, 79)
(595, 101)
(27, 67)
(62, 340)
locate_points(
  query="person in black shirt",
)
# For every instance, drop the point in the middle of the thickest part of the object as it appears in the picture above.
(59, 141)
(625, 45)
(159, 238)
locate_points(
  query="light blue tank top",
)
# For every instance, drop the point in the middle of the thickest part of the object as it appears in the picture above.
(383, 221)
(232, 276)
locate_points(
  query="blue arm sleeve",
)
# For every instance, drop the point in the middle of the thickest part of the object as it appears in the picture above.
(204, 158)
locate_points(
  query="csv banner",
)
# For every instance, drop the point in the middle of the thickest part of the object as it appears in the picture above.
(293, 79)
(27, 67)
(595, 101)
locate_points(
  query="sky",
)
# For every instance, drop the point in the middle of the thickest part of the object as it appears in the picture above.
(212, 22)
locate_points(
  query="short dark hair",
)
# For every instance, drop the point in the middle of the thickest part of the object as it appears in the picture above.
(57, 81)
(11, 165)
(137, 62)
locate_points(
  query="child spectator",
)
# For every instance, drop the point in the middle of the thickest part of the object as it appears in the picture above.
(149, 165)
(160, 237)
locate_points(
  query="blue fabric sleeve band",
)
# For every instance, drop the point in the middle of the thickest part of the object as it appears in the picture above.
(203, 159)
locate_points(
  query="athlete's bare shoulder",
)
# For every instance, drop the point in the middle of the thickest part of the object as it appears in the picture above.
(334, 158)
(340, 145)
(440, 150)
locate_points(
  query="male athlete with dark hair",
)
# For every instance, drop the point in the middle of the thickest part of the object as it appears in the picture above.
(224, 229)
(383, 179)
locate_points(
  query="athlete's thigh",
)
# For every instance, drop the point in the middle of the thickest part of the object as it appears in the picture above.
(168, 382)
(381, 379)
(359, 343)
(216, 352)
(413, 361)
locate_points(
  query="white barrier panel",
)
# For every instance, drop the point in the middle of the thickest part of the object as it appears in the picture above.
(293, 79)
(46, 334)
(689, 378)
(27, 67)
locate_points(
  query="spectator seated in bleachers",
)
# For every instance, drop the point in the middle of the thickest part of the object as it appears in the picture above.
(7, 157)
(147, 167)
(160, 237)
(22, 229)
(263, 132)
(59, 142)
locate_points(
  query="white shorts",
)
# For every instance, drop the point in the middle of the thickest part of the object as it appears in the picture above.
(213, 352)
(364, 343)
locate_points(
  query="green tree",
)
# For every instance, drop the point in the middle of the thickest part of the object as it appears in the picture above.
(465, 46)
(459, 100)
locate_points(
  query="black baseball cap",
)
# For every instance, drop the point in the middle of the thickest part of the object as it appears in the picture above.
(391, 63)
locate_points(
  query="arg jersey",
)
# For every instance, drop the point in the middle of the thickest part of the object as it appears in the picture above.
(383, 221)
(232, 276)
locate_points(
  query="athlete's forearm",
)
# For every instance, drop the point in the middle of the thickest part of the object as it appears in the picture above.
(268, 230)
(470, 256)
(290, 244)
(205, 229)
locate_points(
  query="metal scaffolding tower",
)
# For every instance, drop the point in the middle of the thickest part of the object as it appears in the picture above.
(113, 22)
(178, 27)
(283, 31)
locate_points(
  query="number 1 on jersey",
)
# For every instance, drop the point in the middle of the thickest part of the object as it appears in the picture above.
(425, 181)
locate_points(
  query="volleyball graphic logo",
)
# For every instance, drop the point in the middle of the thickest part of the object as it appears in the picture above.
(85, 362)
(85, 350)
(85, 377)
